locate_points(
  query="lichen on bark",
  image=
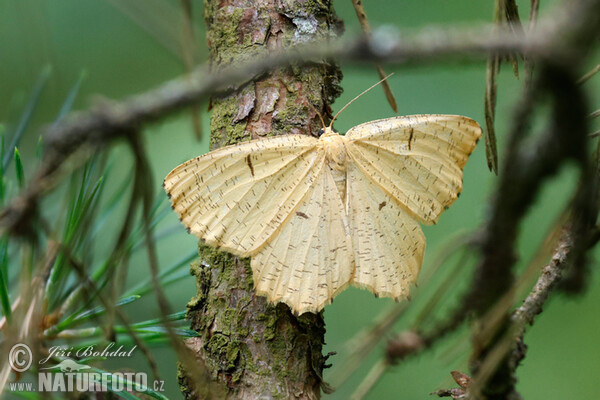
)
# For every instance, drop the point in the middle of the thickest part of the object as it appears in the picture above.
(258, 350)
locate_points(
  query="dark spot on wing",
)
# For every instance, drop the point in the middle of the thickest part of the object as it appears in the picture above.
(410, 138)
(381, 205)
(301, 214)
(249, 162)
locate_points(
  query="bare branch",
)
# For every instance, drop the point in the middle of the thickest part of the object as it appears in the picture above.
(533, 303)
(107, 121)
(525, 168)
(589, 75)
(366, 27)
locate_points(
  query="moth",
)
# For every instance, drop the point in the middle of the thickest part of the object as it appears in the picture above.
(318, 214)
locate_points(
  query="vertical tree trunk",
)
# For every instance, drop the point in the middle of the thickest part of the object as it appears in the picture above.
(254, 349)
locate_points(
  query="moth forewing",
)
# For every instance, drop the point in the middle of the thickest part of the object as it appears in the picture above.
(319, 214)
(223, 201)
(417, 159)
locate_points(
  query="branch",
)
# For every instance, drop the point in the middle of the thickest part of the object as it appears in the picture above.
(525, 169)
(533, 303)
(110, 120)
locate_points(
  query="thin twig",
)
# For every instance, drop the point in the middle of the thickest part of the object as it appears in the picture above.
(371, 379)
(522, 176)
(589, 75)
(361, 13)
(143, 189)
(548, 279)
(187, 50)
(525, 168)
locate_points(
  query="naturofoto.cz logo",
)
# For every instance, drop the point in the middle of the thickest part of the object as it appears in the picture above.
(71, 376)
(77, 380)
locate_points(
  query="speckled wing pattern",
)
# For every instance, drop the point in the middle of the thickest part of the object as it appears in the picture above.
(417, 159)
(276, 200)
(237, 196)
(309, 261)
(388, 242)
(401, 170)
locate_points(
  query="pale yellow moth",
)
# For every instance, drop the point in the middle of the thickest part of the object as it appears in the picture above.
(319, 214)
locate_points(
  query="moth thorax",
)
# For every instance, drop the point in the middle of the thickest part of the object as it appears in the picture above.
(335, 151)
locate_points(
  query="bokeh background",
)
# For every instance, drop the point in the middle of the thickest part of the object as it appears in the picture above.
(119, 48)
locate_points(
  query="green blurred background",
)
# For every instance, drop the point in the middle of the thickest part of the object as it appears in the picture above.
(126, 47)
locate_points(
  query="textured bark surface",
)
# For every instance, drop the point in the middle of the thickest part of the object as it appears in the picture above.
(256, 350)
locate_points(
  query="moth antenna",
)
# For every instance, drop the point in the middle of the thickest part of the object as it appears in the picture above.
(318, 113)
(352, 101)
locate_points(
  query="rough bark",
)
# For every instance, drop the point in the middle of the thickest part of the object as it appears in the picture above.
(257, 350)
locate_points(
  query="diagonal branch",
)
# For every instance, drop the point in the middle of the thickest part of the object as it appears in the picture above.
(110, 120)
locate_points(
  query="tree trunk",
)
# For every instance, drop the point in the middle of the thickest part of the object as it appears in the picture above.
(254, 349)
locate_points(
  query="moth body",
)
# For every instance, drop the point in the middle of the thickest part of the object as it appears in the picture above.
(334, 146)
